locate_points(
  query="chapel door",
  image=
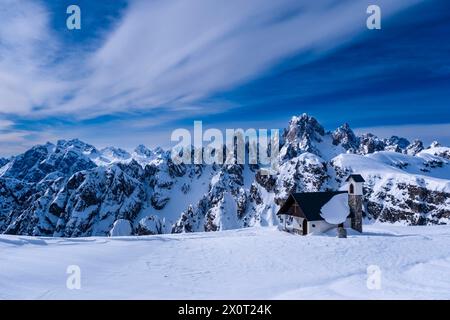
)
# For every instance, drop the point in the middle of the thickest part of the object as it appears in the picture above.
(305, 227)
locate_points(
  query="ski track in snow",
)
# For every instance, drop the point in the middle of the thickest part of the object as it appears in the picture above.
(253, 263)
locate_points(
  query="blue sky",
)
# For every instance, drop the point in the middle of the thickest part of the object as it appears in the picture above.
(139, 69)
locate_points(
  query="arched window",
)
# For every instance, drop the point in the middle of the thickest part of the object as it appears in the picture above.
(352, 188)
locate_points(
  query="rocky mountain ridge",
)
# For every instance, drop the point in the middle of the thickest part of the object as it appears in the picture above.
(72, 189)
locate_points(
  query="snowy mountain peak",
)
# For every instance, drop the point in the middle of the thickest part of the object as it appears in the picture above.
(145, 156)
(415, 147)
(345, 137)
(77, 145)
(110, 155)
(435, 144)
(302, 135)
(115, 153)
(396, 144)
(304, 126)
(64, 158)
(159, 150)
(370, 143)
(142, 150)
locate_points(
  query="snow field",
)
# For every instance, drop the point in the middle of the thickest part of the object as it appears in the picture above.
(253, 263)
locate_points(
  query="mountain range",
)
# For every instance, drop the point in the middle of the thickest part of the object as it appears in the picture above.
(73, 189)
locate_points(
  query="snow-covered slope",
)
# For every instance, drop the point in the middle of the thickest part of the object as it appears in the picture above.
(251, 263)
(394, 194)
(73, 189)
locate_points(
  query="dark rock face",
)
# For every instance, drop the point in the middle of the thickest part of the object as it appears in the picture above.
(150, 225)
(444, 153)
(418, 207)
(3, 161)
(69, 189)
(434, 144)
(118, 153)
(75, 206)
(102, 196)
(370, 143)
(13, 199)
(41, 161)
(143, 151)
(414, 148)
(345, 137)
(266, 181)
(302, 135)
(396, 144)
(191, 219)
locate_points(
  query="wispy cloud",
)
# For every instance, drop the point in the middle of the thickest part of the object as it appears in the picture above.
(27, 77)
(13, 142)
(165, 53)
(162, 58)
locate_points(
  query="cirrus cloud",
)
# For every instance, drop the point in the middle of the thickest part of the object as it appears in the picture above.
(164, 53)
